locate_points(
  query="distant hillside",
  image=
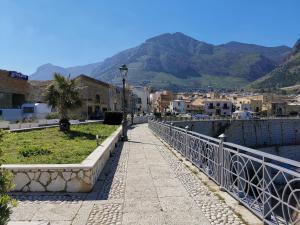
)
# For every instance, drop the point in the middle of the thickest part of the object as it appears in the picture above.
(287, 74)
(45, 72)
(179, 62)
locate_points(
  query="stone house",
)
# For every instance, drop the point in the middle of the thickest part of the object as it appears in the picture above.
(95, 97)
(164, 100)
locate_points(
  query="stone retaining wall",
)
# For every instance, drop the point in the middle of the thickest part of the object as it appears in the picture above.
(64, 177)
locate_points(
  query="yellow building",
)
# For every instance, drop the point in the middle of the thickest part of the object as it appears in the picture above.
(95, 97)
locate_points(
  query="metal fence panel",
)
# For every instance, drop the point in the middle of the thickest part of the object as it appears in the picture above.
(266, 184)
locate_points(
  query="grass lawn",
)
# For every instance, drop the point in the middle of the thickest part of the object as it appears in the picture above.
(52, 146)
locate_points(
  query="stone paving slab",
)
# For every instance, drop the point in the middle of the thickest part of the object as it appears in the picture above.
(142, 183)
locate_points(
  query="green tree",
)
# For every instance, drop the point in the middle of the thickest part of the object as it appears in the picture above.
(62, 94)
(6, 202)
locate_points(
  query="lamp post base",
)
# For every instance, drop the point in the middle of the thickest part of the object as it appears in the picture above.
(124, 138)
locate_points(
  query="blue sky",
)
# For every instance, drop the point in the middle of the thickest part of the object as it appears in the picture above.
(78, 32)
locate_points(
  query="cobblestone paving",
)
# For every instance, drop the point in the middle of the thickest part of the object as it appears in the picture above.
(114, 185)
(113, 190)
(215, 210)
(106, 214)
(142, 183)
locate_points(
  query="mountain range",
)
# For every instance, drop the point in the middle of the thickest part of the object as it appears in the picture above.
(179, 62)
(286, 74)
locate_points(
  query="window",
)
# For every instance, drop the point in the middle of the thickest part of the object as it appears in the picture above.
(97, 98)
(139, 101)
(90, 110)
(211, 105)
(225, 106)
(97, 109)
(28, 110)
(218, 104)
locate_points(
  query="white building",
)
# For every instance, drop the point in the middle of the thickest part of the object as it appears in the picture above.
(218, 107)
(177, 106)
(244, 106)
(245, 115)
(143, 98)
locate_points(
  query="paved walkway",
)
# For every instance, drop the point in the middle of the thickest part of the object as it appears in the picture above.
(143, 183)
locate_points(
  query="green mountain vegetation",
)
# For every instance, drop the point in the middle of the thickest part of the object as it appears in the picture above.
(287, 74)
(179, 62)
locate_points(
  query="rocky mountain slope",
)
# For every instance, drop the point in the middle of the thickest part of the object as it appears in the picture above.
(45, 72)
(287, 74)
(179, 62)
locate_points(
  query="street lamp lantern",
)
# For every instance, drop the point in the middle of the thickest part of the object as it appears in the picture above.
(124, 70)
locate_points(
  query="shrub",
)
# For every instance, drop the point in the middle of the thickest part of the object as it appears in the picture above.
(34, 151)
(53, 115)
(157, 115)
(74, 116)
(5, 185)
(113, 118)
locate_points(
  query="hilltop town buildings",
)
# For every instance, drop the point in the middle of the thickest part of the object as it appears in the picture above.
(98, 97)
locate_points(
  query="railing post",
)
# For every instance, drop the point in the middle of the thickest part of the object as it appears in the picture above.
(266, 201)
(239, 167)
(171, 138)
(186, 141)
(222, 138)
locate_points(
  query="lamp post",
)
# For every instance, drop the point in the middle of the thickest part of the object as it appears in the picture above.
(124, 70)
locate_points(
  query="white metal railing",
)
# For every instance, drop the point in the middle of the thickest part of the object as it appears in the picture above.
(266, 184)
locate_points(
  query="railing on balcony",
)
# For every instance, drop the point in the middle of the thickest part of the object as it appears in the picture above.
(266, 184)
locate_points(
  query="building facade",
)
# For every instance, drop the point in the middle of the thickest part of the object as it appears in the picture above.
(14, 89)
(143, 99)
(115, 98)
(177, 106)
(95, 97)
(218, 107)
(162, 101)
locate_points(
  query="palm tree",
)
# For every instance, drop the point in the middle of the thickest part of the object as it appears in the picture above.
(62, 94)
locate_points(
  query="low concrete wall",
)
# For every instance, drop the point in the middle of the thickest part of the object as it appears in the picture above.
(290, 152)
(30, 126)
(250, 133)
(64, 177)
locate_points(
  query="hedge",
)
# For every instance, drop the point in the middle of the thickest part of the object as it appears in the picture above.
(113, 118)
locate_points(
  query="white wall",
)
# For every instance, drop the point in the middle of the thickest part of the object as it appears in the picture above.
(144, 94)
(177, 106)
